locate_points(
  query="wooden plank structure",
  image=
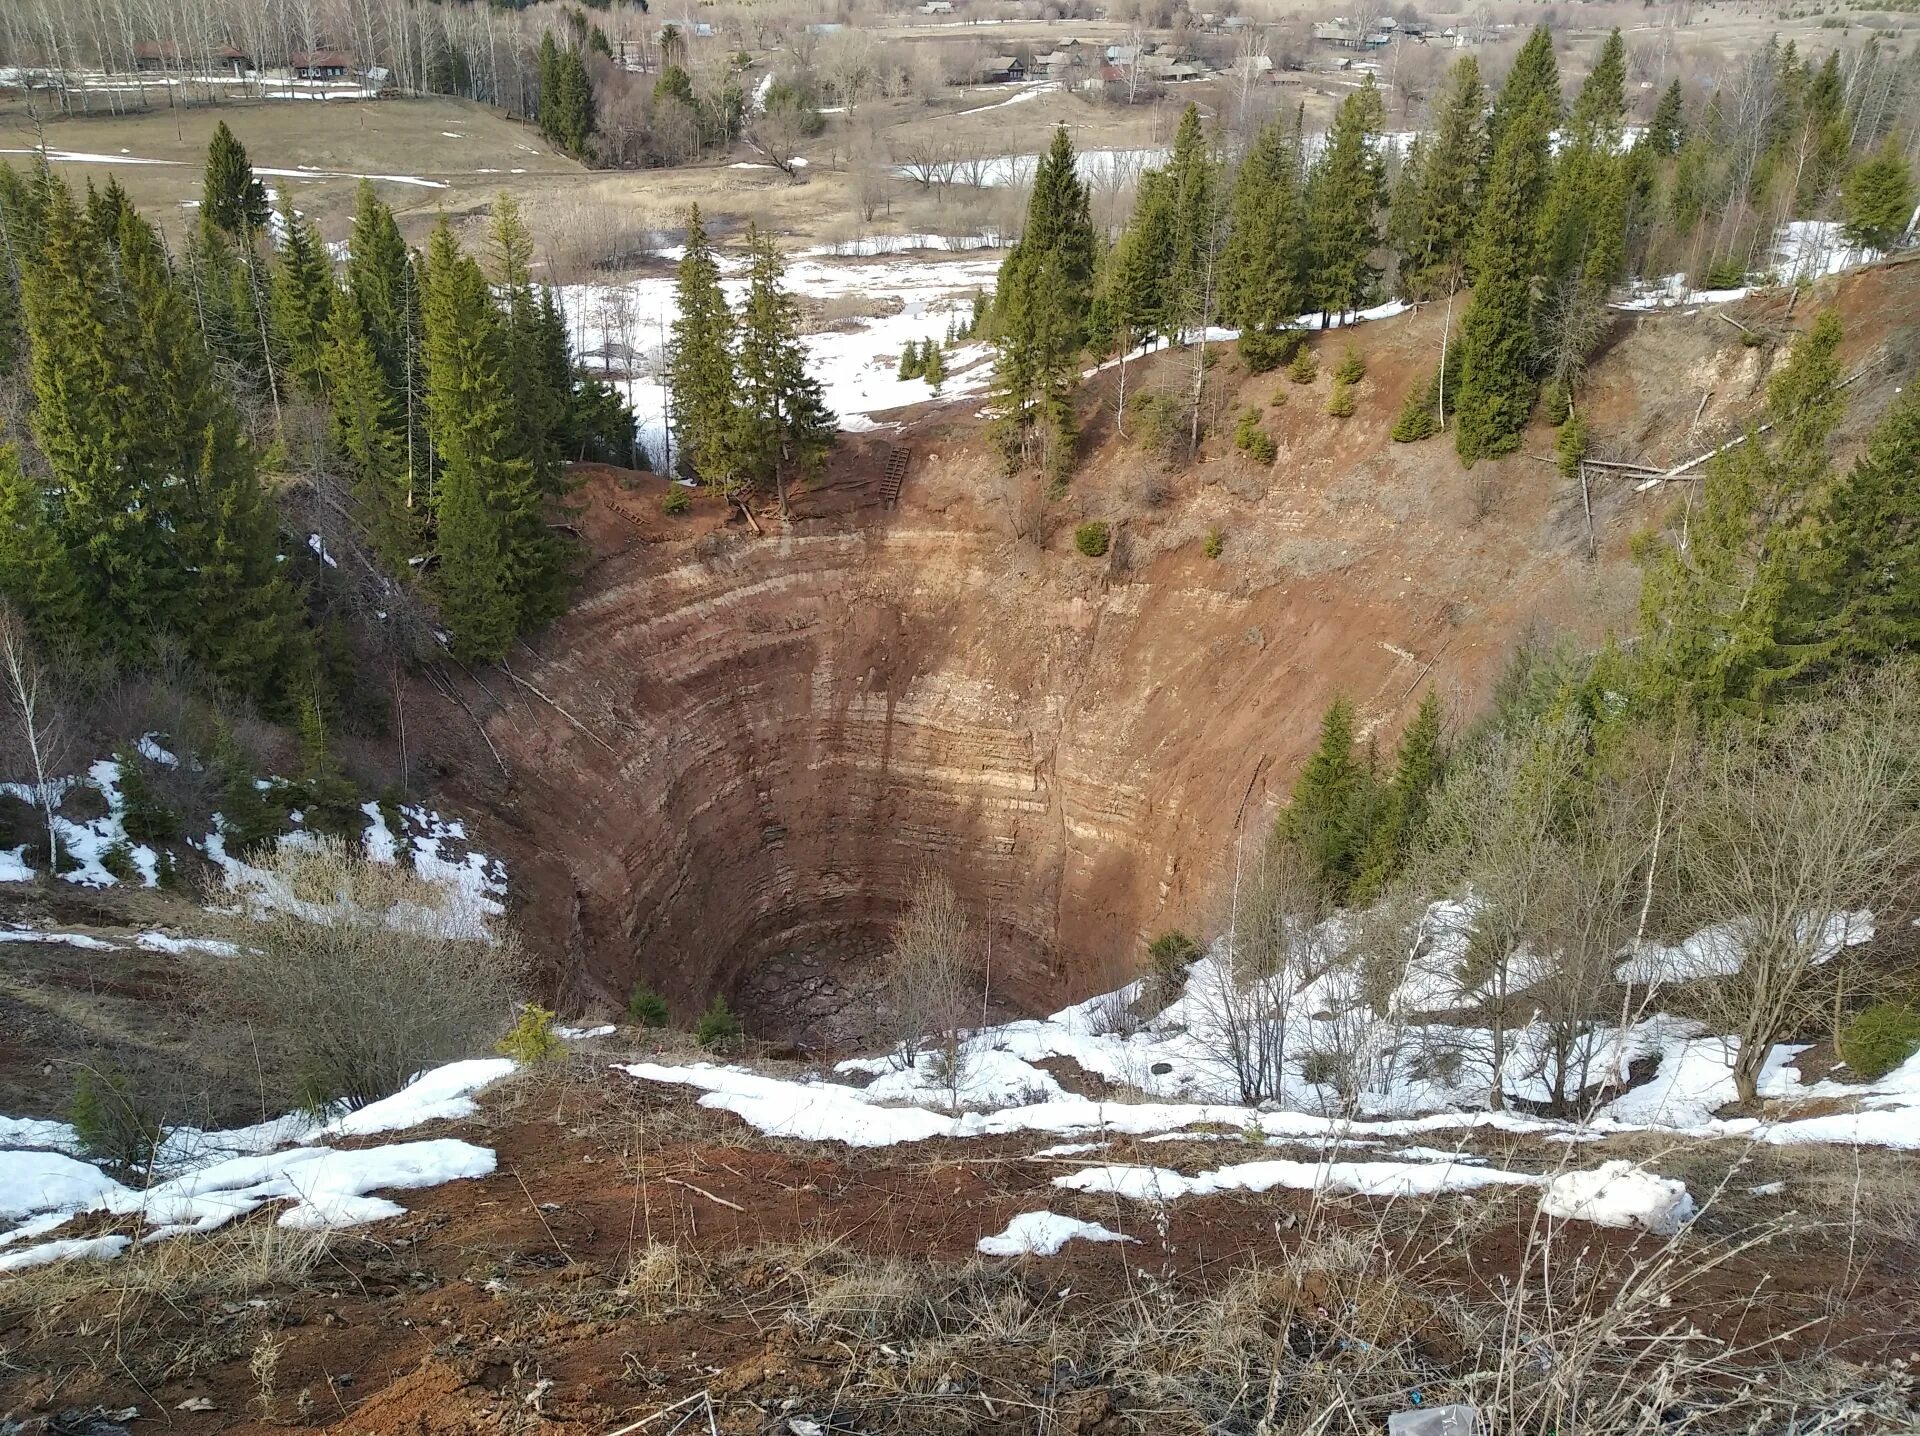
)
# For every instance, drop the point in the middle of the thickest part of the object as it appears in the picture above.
(895, 475)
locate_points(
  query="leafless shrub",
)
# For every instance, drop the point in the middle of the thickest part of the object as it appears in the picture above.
(1271, 948)
(1793, 828)
(583, 238)
(363, 974)
(934, 978)
(1113, 1015)
(1484, 494)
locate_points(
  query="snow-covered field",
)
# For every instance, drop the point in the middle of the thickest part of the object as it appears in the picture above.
(856, 360)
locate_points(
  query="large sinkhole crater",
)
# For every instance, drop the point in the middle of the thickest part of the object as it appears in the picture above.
(747, 746)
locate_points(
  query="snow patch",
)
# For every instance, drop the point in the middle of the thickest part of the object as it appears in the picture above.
(1619, 1194)
(1043, 1234)
(163, 942)
(34, 1182)
(440, 1095)
(1367, 1179)
(73, 1249)
(327, 1187)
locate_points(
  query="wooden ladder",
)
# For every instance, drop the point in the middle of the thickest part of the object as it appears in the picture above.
(895, 475)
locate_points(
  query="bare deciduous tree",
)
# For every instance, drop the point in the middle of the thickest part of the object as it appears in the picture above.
(1495, 819)
(1272, 948)
(1792, 830)
(39, 719)
(934, 979)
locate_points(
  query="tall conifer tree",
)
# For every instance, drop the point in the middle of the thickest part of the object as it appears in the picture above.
(1343, 202)
(1578, 213)
(1861, 599)
(1192, 193)
(231, 199)
(1433, 256)
(700, 397)
(302, 294)
(364, 435)
(1262, 283)
(540, 393)
(1534, 79)
(486, 484)
(1497, 386)
(379, 283)
(1040, 315)
(1134, 278)
(785, 426)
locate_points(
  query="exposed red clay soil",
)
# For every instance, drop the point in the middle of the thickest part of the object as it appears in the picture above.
(498, 1305)
(740, 747)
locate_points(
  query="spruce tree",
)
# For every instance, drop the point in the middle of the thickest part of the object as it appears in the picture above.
(1496, 390)
(302, 294)
(1828, 133)
(1343, 201)
(541, 388)
(486, 488)
(17, 230)
(223, 316)
(1134, 279)
(378, 282)
(547, 101)
(232, 600)
(106, 208)
(1433, 261)
(1719, 617)
(1191, 192)
(86, 399)
(1861, 590)
(784, 425)
(1262, 283)
(1402, 230)
(700, 399)
(1579, 211)
(576, 104)
(365, 438)
(1402, 810)
(1041, 307)
(1533, 80)
(36, 573)
(1878, 202)
(246, 627)
(1324, 818)
(1667, 130)
(565, 101)
(231, 199)
(1419, 416)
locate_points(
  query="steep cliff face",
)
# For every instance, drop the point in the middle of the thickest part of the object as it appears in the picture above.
(745, 746)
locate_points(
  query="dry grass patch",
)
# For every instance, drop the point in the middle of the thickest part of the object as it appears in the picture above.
(164, 1311)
